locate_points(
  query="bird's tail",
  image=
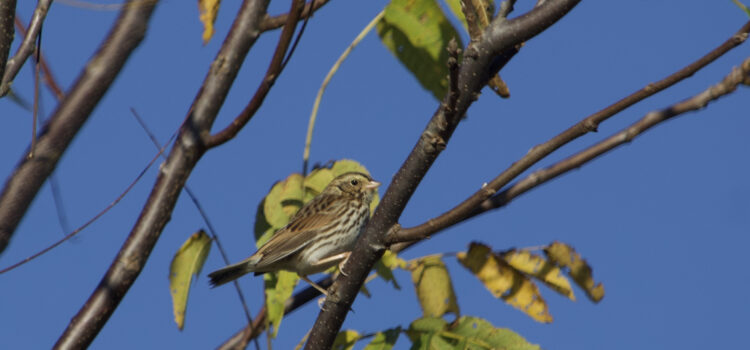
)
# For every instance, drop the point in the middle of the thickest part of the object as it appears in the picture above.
(230, 273)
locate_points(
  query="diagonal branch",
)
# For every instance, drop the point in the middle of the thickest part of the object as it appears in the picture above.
(272, 73)
(26, 48)
(49, 78)
(738, 75)
(69, 117)
(466, 208)
(187, 150)
(482, 60)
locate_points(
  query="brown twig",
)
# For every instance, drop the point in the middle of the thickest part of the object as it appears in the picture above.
(92, 220)
(211, 230)
(69, 116)
(270, 23)
(273, 71)
(184, 155)
(483, 59)
(7, 16)
(49, 78)
(738, 75)
(465, 209)
(26, 48)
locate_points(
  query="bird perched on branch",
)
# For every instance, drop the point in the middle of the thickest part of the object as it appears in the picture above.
(320, 235)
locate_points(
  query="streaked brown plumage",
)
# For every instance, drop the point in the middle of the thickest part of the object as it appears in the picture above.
(319, 236)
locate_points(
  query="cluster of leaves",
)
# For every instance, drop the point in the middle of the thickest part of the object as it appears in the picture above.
(284, 199)
(509, 275)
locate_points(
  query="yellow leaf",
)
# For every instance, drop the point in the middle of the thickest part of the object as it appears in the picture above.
(187, 262)
(434, 287)
(208, 10)
(505, 282)
(345, 340)
(541, 269)
(565, 256)
(279, 287)
(384, 340)
(384, 267)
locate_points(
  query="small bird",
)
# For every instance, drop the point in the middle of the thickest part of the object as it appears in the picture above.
(320, 235)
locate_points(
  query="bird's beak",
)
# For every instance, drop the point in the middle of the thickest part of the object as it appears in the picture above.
(372, 185)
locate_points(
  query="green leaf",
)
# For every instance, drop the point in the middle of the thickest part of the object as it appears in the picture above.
(187, 262)
(283, 201)
(434, 287)
(345, 340)
(384, 267)
(481, 334)
(470, 333)
(279, 287)
(424, 334)
(384, 340)
(417, 33)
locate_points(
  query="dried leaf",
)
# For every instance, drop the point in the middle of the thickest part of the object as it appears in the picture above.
(345, 340)
(434, 288)
(187, 262)
(505, 282)
(565, 256)
(208, 10)
(541, 269)
(417, 33)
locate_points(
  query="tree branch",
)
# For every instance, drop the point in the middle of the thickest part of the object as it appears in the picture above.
(49, 78)
(464, 210)
(270, 23)
(738, 75)
(70, 115)
(482, 60)
(7, 32)
(273, 71)
(188, 149)
(26, 48)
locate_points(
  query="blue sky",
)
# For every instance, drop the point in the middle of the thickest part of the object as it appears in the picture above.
(664, 220)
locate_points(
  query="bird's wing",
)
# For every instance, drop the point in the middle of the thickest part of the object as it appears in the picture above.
(303, 226)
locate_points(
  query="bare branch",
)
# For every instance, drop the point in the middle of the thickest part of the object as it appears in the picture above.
(270, 23)
(463, 211)
(26, 48)
(482, 60)
(273, 71)
(187, 150)
(69, 117)
(7, 16)
(738, 75)
(49, 78)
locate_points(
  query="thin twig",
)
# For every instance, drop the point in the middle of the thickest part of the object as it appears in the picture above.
(27, 46)
(92, 220)
(273, 71)
(49, 78)
(270, 23)
(462, 211)
(35, 111)
(211, 231)
(326, 80)
(738, 75)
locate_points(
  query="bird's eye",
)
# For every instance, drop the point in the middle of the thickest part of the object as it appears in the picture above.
(355, 182)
